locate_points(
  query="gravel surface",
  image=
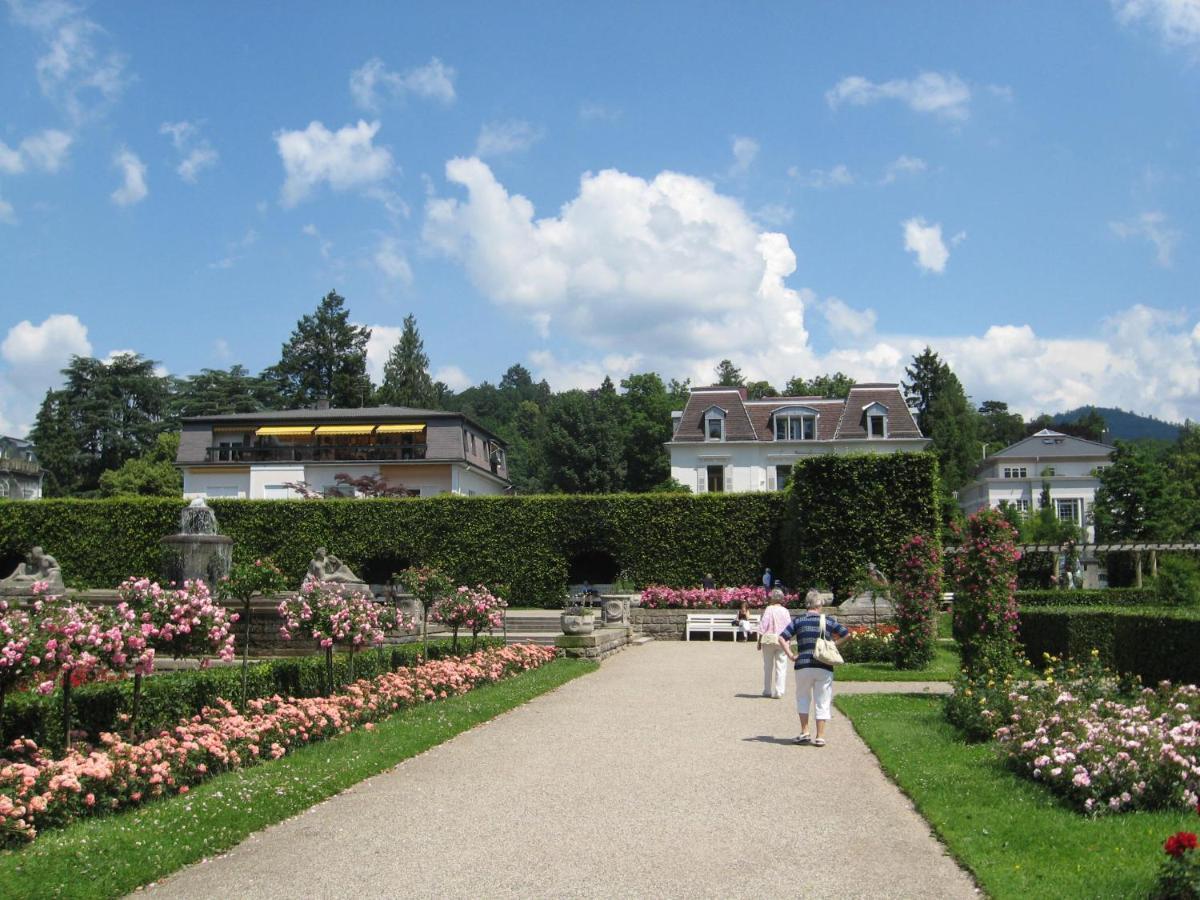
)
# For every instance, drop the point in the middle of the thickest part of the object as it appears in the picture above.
(665, 774)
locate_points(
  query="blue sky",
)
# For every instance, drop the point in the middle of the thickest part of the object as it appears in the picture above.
(798, 187)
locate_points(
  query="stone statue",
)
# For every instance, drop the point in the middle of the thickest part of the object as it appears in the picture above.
(328, 569)
(38, 566)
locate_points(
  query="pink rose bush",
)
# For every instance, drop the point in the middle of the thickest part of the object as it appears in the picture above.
(658, 597)
(1102, 749)
(37, 791)
(473, 608)
(184, 622)
(984, 574)
(917, 590)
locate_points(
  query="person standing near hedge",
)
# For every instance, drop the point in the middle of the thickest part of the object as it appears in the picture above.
(774, 620)
(768, 580)
(814, 680)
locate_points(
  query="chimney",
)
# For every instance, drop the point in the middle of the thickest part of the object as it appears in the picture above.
(322, 402)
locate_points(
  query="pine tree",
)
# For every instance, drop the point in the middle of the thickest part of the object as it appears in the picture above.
(926, 377)
(406, 380)
(326, 357)
(729, 375)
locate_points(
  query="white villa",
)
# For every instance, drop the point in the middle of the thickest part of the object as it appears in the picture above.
(257, 455)
(1068, 465)
(724, 442)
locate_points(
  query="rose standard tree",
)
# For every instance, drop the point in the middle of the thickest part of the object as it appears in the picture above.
(428, 585)
(245, 579)
(475, 608)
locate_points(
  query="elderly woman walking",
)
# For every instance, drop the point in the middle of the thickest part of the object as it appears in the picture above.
(774, 619)
(814, 680)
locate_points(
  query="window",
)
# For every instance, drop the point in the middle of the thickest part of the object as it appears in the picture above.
(796, 427)
(464, 443)
(1015, 472)
(1049, 470)
(1067, 510)
(276, 492)
(783, 475)
(714, 424)
(338, 490)
(3, 488)
(876, 425)
(716, 479)
(472, 443)
(1021, 506)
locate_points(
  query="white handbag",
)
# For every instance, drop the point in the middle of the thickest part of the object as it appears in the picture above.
(768, 640)
(826, 651)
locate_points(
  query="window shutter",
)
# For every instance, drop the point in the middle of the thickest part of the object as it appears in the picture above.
(728, 479)
(771, 482)
(701, 480)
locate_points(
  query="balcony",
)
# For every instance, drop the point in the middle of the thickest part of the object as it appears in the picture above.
(315, 453)
(19, 466)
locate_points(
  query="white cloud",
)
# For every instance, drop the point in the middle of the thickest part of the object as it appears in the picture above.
(598, 112)
(453, 377)
(133, 174)
(235, 250)
(903, 165)
(509, 136)
(46, 150)
(941, 94)
(33, 357)
(1154, 228)
(195, 151)
(666, 268)
(847, 322)
(373, 84)
(7, 214)
(777, 214)
(392, 262)
(926, 242)
(1176, 21)
(345, 159)
(839, 176)
(78, 70)
(745, 151)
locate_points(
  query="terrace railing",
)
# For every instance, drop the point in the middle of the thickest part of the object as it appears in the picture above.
(315, 453)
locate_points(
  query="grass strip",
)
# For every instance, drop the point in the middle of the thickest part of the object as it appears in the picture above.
(1016, 838)
(943, 668)
(108, 857)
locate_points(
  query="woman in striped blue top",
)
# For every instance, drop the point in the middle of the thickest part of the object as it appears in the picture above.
(814, 680)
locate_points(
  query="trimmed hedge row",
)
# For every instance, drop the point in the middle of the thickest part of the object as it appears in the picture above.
(846, 511)
(1120, 597)
(526, 543)
(1156, 644)
(171, 696)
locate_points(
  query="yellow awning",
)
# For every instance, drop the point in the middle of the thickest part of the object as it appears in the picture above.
(399, 429)
(284, 430)
(345, 429)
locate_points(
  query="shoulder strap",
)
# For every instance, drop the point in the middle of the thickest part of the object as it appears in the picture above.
(821, 633)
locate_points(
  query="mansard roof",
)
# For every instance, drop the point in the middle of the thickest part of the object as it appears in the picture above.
(1046, 443)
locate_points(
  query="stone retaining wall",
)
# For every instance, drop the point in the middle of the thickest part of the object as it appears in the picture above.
(600, 644)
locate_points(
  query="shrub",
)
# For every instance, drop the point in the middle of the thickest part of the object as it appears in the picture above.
(985, 583)
(917, 590)
(1179, 874)
(980, 702)
(170, 696)
(1178, 581)
(1103, 746)
(1152, 643)
(869, 644)
(844, 512)
(1127, 596)
(658, 597)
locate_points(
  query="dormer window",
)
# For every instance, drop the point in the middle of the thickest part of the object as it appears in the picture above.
(795, 423)
(714, 424)
(875, 420)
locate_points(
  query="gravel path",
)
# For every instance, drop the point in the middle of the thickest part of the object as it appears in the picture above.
(665, 774)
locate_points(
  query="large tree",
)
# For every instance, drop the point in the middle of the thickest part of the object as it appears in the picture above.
(926, 376)
(648, 408)
(835, 386)
(326, 357)
(1132, 502)
(999, 428)
(945, 416)
(215, 392)
(406, 379)
(581, 445)
(729, 375)
(153, 474)
(107, 412)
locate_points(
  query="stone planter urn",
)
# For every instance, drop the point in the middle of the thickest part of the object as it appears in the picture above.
(578, 622)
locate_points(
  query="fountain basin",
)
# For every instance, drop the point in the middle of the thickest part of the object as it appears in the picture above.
(207, 557)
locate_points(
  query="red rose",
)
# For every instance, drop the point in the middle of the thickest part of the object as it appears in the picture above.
(1180, 842)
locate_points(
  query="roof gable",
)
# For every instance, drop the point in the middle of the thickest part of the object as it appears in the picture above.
(1047, 443)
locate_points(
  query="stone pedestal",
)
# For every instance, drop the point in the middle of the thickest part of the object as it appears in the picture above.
(601, 643)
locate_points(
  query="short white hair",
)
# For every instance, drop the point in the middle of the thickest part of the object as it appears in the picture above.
(813, 599)
(776, 594)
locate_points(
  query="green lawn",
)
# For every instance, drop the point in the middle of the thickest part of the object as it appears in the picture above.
(108, 857)
(943, 668)
(1017, 840)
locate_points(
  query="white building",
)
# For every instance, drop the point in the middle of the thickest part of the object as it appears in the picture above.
(724, 442)
(1067, 465)
(20, 474)
(257, 455)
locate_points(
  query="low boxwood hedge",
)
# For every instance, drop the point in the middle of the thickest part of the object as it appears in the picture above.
(171, 696)
(1155, 643)
(1120, 597)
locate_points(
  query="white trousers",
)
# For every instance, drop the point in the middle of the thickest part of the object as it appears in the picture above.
(774, 670)
(819, 684)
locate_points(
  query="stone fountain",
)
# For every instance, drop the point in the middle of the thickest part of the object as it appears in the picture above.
(197, 551)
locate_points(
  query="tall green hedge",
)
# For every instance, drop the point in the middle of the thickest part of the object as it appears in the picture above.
(1089, 597)
(846, 511)
(526, 543)
(1156, 644)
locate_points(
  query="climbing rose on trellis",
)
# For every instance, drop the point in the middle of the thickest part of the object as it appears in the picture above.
(985, 586)
(916, 590)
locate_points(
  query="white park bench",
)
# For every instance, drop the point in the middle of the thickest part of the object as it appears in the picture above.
(713, 623)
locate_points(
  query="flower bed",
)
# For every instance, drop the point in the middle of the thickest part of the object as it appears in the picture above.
(37, 791)
(868, 643)
(1102, 749)
(658, 597)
